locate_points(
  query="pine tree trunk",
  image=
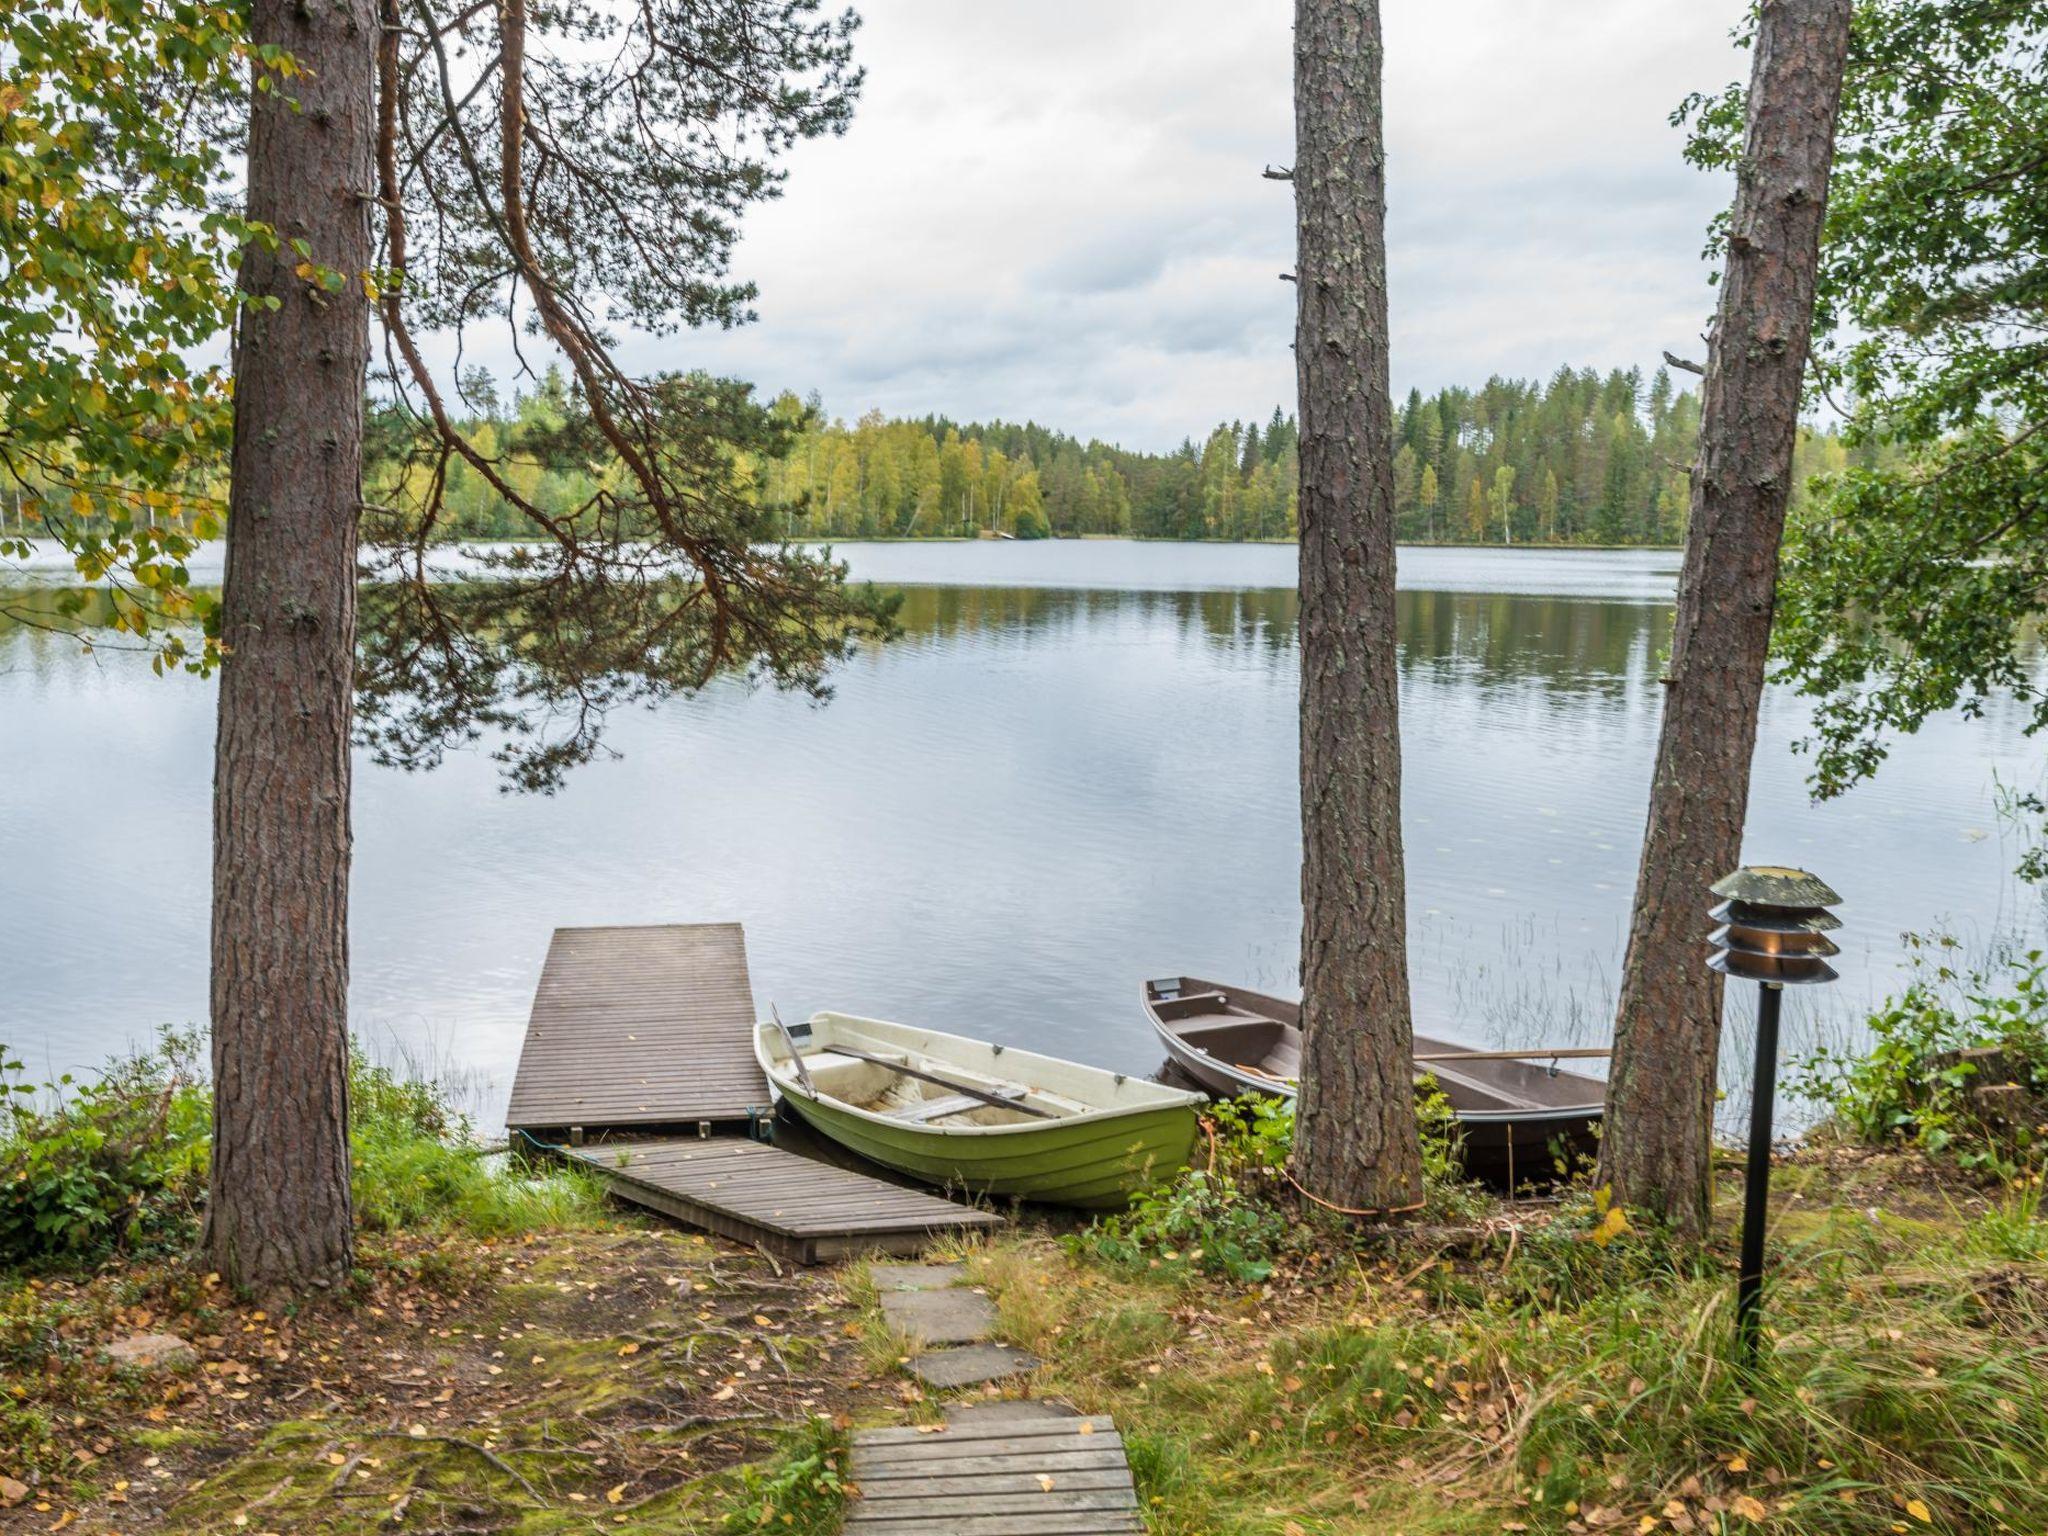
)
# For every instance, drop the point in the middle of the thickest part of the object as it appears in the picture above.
(278, 1215)
(1355, 1142)
(1667, 1033)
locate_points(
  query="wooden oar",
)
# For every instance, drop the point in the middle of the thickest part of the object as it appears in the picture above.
(944, 1082)
(1571, 1051)
(1271, 1077)
(796, 1057)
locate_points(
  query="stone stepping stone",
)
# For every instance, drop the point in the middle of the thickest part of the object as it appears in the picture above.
(971, 1365)
(940, 1317)
(916, 1277)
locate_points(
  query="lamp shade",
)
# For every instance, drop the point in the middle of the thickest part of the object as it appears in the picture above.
(1774, 926)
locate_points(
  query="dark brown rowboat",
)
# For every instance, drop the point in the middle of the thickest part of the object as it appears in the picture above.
(1518, 1111)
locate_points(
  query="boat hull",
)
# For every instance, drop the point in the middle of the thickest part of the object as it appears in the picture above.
(1113, 1135)
(1513, 1149)
(1508, 1135)
(1095, 1167)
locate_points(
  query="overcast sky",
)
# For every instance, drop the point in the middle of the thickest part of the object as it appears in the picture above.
(1052, 209)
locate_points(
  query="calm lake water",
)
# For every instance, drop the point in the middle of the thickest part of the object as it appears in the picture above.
(1076, 770)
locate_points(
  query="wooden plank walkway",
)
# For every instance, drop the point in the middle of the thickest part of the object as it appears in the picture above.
(810, 1212)
(648, 1026)
(1050, 1477)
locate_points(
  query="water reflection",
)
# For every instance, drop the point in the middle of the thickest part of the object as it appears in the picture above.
(999, 825)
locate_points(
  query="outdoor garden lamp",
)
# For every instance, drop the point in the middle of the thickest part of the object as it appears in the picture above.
(1774, 931)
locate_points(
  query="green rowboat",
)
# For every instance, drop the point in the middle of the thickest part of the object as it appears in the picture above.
(986, 1119)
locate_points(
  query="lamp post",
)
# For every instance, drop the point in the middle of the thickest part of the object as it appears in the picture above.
(1774, 931)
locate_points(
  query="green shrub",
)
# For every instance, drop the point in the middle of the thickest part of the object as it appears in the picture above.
(119, 1163)
(1200, 1221)
(1230, 1218)
(115, 1164)
(1913, 1087)
(803, 1491)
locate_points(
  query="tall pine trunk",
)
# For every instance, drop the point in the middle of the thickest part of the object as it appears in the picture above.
(278, 1214)
(1667, 1033)
(1356, 1143)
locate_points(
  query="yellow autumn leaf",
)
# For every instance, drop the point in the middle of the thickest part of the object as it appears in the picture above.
(1749, 1507)
(1919, 1511)
(615, 1495)
(1612, 1225)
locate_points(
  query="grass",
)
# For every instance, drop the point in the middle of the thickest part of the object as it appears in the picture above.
(1527, 1378)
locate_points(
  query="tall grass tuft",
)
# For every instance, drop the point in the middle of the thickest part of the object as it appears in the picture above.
(417, 1167)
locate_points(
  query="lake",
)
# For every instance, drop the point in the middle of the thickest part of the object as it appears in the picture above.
(1076, 769)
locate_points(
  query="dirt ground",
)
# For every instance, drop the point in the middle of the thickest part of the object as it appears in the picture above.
(574, 1381)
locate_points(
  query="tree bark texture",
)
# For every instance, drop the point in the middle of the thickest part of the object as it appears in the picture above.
(1356, 1143)
(278, 1215)
(1667, 1034)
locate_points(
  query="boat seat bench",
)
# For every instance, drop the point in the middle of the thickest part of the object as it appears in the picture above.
(1191, 1005)
(938, 1109)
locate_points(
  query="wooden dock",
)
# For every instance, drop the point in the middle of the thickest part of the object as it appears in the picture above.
(1060, 1477)
(644, 1027)
(810, 1212)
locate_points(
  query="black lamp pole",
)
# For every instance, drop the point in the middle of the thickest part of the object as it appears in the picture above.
(1775, 923)
(1756, 1192)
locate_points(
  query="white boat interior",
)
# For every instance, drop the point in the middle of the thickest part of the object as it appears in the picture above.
(879, 1091)
(927, 1078)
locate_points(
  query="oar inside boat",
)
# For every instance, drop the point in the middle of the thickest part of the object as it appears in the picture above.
(1014, 1099)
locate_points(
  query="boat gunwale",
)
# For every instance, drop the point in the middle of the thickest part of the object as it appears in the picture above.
(1171, 1098)
(1526, 1111)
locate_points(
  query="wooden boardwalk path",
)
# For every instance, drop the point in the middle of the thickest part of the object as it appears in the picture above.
(1035, 1477)
(645, 1027)
(810, 1212)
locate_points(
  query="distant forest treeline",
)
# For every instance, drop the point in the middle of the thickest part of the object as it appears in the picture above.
(1581, 459)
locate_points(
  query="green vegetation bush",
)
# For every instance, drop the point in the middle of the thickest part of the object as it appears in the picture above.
(119, 1164)
(1235, 1215)
(1202, 1221)
(1913, 1086)
(803, 1491)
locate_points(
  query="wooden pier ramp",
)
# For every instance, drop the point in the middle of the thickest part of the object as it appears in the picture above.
(641, 1028)
(811, 1212)
(649, 1031)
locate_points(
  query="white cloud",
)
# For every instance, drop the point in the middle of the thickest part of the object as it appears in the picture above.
(1052, 209)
